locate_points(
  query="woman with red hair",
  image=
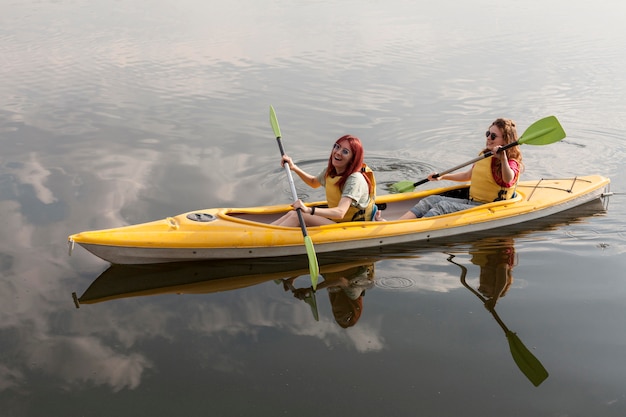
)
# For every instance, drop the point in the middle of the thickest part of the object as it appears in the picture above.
(349, 183)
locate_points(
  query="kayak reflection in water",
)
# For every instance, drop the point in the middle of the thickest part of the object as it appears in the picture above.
(346, 290)
(496, 260)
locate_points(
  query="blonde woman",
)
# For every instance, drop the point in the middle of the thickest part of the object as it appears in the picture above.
(492, 179)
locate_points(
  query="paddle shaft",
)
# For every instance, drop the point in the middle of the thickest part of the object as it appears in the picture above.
(308, 242)
(478, 158)
(543, 132)
(292, 185)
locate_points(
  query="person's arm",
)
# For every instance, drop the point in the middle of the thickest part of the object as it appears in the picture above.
(456, 176)
(508, 174)
(308, 179)
(333, 213)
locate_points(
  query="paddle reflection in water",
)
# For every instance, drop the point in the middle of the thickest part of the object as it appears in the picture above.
(345, 281)
(346, 288)
(496, 258)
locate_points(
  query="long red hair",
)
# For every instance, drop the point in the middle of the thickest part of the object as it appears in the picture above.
(356, 164)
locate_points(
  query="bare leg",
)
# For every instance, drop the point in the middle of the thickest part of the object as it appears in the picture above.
(407, 216)
(290, 219)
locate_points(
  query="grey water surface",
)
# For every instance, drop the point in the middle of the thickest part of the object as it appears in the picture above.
(121, 112)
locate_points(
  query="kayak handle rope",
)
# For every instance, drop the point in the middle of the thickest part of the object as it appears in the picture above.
(172, 223)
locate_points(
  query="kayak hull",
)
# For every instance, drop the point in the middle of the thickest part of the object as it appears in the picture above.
(245, 233)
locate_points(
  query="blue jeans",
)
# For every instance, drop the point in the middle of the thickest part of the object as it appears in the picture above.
(435, 205)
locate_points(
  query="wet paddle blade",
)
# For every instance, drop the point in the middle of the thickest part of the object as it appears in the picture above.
(274, 122)
(402, 187)
(526, 361)
(312, 302)
(314, 269)
(543, 132)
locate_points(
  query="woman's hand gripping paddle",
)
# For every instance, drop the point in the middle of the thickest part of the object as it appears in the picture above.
(308, 243)
(543, 132)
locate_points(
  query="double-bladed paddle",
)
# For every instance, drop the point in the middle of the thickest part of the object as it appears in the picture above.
(526, 361)
(543, 132)
(308, 243)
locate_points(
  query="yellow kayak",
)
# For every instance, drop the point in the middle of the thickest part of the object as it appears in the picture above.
(245, 233)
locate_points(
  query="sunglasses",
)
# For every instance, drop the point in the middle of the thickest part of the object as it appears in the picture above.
(344, 151)
(492, 135)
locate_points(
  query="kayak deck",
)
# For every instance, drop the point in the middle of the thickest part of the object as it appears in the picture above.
(243, 233)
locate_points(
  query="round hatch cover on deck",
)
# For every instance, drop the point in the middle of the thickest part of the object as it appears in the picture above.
(201, 217)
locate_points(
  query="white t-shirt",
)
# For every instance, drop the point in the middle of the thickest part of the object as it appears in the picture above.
(355, 188)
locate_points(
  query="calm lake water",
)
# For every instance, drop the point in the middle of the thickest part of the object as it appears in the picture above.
(114, 113)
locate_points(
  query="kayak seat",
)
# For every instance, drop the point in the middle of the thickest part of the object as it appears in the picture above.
(463, 193)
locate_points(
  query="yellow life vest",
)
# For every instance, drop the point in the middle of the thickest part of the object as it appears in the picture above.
(333, 196)
(484, 187)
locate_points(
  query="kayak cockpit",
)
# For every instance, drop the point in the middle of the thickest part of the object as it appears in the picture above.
(392, 206)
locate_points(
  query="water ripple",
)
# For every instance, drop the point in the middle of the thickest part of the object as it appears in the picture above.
(394, 283)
